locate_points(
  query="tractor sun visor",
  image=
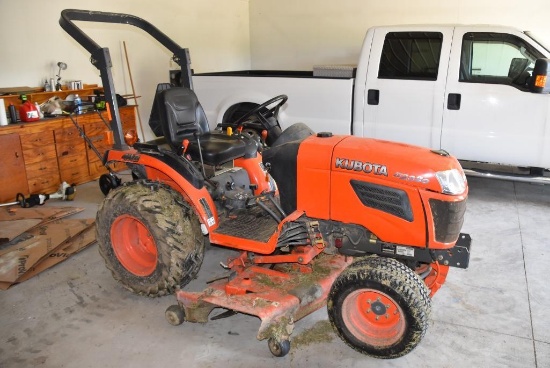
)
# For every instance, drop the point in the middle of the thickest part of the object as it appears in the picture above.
(539, 80)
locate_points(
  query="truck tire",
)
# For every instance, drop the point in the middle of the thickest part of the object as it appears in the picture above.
(150, 238)
(379, 307)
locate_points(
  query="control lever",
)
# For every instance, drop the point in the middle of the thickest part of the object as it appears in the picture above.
(184, 146)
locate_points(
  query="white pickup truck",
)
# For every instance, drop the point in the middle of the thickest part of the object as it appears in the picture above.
(470, 90)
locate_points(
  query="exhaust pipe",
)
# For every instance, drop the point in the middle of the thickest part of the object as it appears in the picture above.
(510, 177)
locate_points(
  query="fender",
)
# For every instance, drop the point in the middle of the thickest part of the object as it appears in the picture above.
(178, 176)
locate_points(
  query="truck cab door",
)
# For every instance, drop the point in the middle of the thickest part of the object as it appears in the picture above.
(404, 85)
(489, 115)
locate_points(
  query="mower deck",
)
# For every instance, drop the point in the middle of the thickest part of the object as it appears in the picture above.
(277, 296)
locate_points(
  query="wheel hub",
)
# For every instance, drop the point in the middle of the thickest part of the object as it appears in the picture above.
(378, 308)
(373, 317)
(134, 246)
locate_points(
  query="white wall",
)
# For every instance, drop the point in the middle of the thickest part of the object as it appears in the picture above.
(290, 34)
(32, 42)
(225, 35)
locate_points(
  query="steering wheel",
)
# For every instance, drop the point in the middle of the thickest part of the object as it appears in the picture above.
(263, 117)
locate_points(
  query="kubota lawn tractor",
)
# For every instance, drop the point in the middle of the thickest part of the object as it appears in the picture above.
(367, 227)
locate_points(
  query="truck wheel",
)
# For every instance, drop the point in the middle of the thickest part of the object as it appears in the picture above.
(379, 307)
(150, 238)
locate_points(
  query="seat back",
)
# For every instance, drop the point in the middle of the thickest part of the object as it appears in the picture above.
(155, 122)
(181, 115)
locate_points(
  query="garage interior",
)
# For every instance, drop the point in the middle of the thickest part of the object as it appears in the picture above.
(493, 314)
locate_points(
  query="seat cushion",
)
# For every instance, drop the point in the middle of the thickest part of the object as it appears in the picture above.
(217, 148)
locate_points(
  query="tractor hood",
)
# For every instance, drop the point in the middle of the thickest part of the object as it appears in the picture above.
(401, 163)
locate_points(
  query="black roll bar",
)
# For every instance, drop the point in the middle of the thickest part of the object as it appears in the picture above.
(101, 58)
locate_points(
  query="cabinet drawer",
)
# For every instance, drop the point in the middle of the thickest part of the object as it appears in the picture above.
(39, 154)
(128, 119)
(74, 169)
(72, 161)
(38, 147)
(45, 184)
(44, 169)
(70, 134)
(74, 175)
(30, 142)
(97, 169)
(95, 128)
(74, 147)
(127, 115)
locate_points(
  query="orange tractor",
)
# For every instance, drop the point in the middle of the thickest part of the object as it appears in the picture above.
(367, 227)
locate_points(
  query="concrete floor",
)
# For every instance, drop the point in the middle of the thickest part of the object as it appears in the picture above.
(494, 314)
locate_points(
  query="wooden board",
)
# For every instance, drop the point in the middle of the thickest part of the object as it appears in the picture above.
(19, 90)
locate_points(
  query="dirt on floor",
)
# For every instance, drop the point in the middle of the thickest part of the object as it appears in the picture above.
(320, 332)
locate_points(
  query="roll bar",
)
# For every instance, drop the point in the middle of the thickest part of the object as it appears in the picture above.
(101, 58)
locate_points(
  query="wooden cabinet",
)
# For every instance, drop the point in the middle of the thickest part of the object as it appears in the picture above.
(40, 161)
(13, 178)
(38, 156)
(70, 147)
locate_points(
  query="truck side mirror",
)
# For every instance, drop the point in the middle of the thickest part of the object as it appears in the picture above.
(538, 82)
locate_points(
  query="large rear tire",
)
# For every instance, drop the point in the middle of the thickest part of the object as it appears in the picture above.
(379, 307)
(150, 238)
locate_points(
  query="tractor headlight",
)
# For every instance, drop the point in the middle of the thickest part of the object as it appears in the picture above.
(451, 181)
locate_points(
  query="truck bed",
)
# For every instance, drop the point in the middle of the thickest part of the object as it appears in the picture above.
(330, 97)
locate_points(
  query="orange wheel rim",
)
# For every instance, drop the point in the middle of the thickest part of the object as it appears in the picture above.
(134, 246)
(373, 317)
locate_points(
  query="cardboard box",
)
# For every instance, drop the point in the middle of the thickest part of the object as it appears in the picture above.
(48, 242)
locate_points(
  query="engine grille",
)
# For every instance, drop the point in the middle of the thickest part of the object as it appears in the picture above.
(448, 218)
(389, 200)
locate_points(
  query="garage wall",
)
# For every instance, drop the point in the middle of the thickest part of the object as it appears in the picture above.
(224, 35)
(215, 31)
(289, 34)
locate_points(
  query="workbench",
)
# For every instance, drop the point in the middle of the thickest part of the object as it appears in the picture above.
(36, 157)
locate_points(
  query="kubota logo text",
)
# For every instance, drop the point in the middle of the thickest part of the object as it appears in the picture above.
(367, 167)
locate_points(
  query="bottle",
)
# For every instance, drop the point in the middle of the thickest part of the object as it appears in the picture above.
(13, 114)
(40, 114)
(47, 87)
(77, 104)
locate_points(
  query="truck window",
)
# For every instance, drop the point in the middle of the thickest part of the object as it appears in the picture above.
(496, 58)
(410, 55)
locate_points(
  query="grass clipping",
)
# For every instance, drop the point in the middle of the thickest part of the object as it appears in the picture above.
(320, 332)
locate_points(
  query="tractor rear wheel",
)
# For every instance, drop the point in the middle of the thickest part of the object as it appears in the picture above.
(379, 307)
(150, 238)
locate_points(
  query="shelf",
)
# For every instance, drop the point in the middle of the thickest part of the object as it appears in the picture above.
(42, 96)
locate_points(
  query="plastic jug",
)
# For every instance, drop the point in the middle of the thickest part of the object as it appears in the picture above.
(28, 111)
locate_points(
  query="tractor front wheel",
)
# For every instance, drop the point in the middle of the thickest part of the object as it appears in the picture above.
(149, 238)
(379, 307)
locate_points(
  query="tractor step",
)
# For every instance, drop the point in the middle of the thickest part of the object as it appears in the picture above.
(252, 223)
(279, 296)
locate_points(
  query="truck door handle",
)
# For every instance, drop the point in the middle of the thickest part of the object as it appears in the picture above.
(373, 96)
(453, 101)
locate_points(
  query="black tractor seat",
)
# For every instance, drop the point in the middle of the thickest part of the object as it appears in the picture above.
(218, 148)
(182, 117)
